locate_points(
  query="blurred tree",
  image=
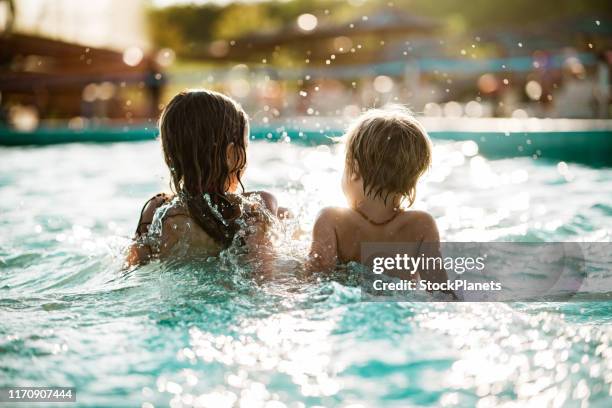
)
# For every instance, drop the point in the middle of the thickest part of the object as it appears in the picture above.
(487, 13)
(239, 18)
(179, 27)
(183, 27)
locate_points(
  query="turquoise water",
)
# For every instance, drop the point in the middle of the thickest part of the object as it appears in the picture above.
(206, 335)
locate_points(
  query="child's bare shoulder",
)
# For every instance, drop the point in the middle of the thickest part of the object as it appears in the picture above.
(418, 217)
(331, 215)
(420, 223)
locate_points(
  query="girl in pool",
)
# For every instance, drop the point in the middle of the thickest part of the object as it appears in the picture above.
(204, 137)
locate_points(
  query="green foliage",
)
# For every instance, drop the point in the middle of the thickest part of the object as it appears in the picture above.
(512, 13)
(239, 19)
(181, 27)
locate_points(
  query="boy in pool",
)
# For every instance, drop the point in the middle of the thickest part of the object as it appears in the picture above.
(386, 152)
(204, 137)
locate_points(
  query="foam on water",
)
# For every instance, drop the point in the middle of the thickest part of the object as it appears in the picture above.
(206, 334)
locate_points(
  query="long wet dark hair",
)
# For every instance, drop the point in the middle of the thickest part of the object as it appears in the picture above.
(196, 129)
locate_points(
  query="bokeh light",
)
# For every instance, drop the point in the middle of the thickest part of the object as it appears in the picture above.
(533, 89)
(307, 22)
(239, 87)
(132, 56)
(453, 109)
(383, 84)
(342, 44)
(24, 118)
(432, 109)
(165, 57)
(219, 48)
(488, 83)
(473, 109)
(520, 114)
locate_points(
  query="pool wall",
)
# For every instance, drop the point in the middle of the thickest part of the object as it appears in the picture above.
(591, 147)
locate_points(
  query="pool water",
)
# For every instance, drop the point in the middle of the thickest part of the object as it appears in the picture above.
(206, 335)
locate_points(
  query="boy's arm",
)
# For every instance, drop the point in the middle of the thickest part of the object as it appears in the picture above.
(324, 248)
(430, 247)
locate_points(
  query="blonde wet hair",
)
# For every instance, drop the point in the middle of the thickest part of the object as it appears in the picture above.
(390, 150)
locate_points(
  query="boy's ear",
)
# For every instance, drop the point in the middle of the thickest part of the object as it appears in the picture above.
(355, 175)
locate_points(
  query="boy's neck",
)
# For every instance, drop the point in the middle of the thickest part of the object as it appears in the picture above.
(377, 209)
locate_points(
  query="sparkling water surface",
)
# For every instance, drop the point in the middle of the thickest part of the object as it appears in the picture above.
(207, 335)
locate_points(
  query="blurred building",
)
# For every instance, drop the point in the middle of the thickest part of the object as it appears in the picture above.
(76, 61)
(553, 68)
(88, 62)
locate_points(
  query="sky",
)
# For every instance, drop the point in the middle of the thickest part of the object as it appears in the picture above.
(102, 23)
(164, 3)
(117, 24)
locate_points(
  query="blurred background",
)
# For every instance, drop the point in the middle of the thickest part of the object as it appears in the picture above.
(111, 61)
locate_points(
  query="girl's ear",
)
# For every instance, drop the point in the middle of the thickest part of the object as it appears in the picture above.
(230, 157)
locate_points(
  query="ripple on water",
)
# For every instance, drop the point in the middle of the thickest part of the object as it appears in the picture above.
(207, 334)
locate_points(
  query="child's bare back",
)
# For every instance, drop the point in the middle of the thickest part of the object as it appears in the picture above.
(165, 222)
(340, 232)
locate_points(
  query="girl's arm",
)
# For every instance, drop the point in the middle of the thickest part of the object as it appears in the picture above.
(256, 233)
(140, 252)
(267, 199)
(272, 204)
